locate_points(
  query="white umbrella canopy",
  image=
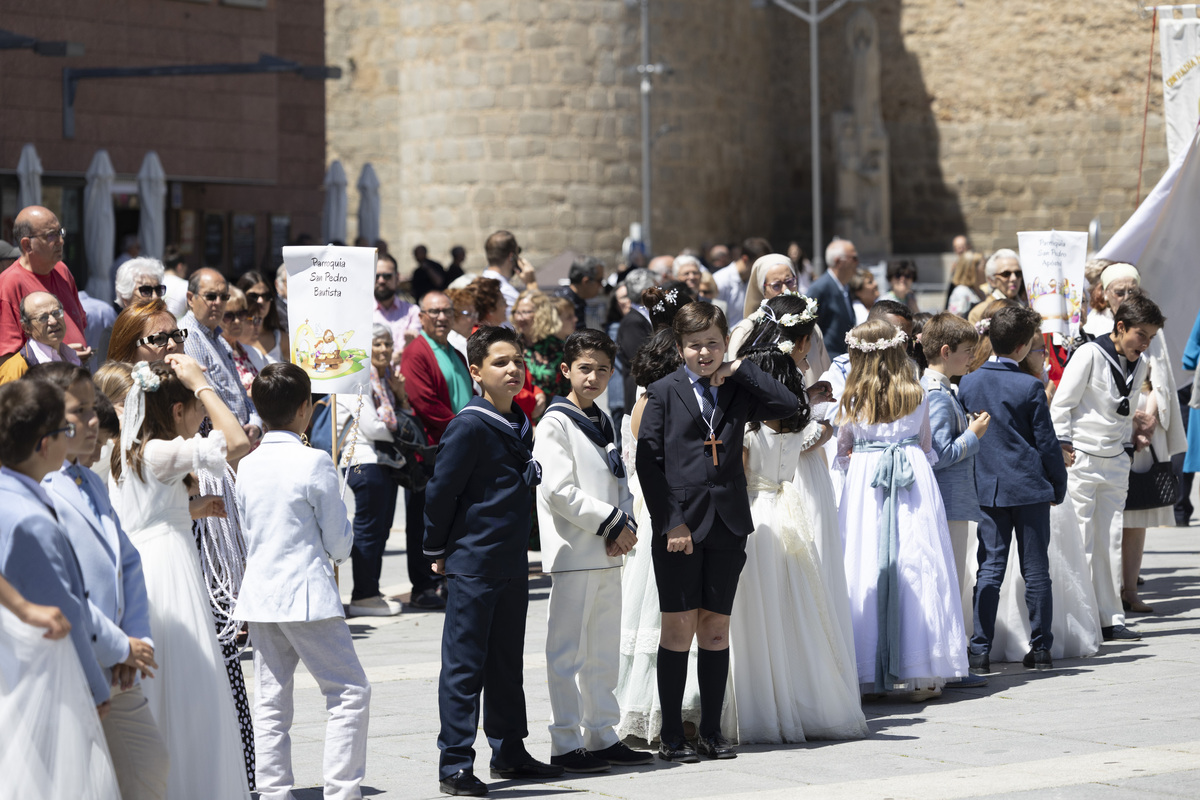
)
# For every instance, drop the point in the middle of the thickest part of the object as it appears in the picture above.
(99, 225)
(368, 204)
(333, 217)
(152, 199)
(29, 173)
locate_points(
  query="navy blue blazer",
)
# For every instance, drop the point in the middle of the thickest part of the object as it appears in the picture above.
(38, 561)
(679, 481)
(1020, 462)
(479, 502)
(834, 315)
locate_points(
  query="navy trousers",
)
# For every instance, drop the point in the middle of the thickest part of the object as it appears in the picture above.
(482, 644)
(420, 572)
(1031, 525)
(374, 506)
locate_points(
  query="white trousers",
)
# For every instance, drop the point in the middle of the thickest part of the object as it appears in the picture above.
(139, 754)
(1097, 488)
(583, 643)
(965, 547)
(327, 651)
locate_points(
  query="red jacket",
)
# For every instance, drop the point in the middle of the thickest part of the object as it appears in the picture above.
(426, 386)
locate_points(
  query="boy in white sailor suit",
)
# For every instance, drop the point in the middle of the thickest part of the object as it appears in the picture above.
(585, 531)
(295, 524)
(116, 590)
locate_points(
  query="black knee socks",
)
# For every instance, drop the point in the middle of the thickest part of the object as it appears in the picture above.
(672, 679)
(712, 668)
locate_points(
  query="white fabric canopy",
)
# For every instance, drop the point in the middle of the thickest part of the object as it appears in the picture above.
(99, 226)
(1163, 240)
(152, 199)
(368, 205)
(29, 173)
(333, 217)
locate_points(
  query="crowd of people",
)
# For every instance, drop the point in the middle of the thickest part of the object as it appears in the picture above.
(166, 509)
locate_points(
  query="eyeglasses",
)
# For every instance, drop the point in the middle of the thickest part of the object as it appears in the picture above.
(44, 319)
(438, 312)
(52, 236)
(469, 312)
(1009, 274)
(384, 276)
(68, 430)
(160, 339)
(211, 297)
(1122, 293)
(254, 298)
(151, 291)
(255, 320)
(777, 286)
(235, 316)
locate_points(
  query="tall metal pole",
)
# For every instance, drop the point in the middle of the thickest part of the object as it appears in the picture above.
(645, 91)
(818, 253)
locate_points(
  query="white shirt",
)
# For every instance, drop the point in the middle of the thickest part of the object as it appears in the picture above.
(697, 389)
(506, 288)
(732, 289)
(176, 298)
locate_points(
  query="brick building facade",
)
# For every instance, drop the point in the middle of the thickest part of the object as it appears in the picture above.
(243, 154)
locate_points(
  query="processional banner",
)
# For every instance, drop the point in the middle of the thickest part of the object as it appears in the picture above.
(1052, 262)
(1179, 41)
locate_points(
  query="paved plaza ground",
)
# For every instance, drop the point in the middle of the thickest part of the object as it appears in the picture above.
(1122, 724)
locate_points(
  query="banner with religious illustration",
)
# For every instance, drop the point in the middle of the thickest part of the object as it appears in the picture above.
(1179, 41)
(1052, 262)
(330, 302)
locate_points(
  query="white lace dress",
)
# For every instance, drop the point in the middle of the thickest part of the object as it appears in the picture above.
(189, 695)
(932, 642)
(641, 622)
(792, 646)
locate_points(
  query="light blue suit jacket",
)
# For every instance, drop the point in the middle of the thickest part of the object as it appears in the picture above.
(111, 565)
(36, 558)
(956, 448)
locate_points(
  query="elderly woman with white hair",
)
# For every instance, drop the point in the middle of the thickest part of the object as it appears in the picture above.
(1157, 426)
(1004, 275)
(770, 276)
(139, 280)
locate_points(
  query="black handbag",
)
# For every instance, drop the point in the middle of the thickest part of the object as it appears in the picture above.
(1154, 489)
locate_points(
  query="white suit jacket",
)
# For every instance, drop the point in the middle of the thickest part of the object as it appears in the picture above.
(578, 497)
(294, 522)
(111, 565)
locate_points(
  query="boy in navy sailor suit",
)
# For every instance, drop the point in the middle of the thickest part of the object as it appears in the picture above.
(690, 466)
(477, 514)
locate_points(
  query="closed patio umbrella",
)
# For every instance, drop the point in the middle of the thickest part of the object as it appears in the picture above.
(29, 173)
(99, 225)
(333, 217)
(368, 205)
(152, 197)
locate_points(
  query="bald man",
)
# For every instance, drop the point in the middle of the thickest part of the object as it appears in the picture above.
(39, 236)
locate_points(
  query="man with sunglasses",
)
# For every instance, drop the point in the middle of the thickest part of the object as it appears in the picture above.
(208, 292)
(1003, 270)
(399, 316)
(39, 235)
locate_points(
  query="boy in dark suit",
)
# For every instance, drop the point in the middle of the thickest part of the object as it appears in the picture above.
(1017, 477)
(477, 514)
(690, 466)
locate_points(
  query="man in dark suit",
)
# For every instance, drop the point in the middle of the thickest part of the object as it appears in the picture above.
(835, 312)
(689, 460)
(634, 329)
(1018, 476)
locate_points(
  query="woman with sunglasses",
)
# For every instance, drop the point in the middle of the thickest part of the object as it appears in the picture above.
(145, 332)
(139, 280)
(260, 300)
(240, 328)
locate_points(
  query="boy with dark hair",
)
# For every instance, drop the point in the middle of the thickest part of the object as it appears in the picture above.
(112, 572)
(1093, 418)
(1017, 477)
(689, 461)
(477, 533)
(35, 555)
(582, 508)
(295, 524)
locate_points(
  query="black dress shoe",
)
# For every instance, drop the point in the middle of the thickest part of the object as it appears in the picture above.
(1038, 659)
(1119, 632)
(979, 663)
(530, 770)
(464, 784)
(580, 761)
(715, 746)
(620, 755)
(679, 751)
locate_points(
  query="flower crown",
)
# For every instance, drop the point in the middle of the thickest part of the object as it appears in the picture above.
(146, 379)
(786, 346)
(671, 297)
(787, 320)
(983, 326)
(854, 343)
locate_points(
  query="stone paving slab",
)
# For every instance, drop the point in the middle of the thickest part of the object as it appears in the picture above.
(1122, 724)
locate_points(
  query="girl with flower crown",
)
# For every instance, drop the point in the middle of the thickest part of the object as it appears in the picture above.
(791, 640)
(152, 470)
(904, 594)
